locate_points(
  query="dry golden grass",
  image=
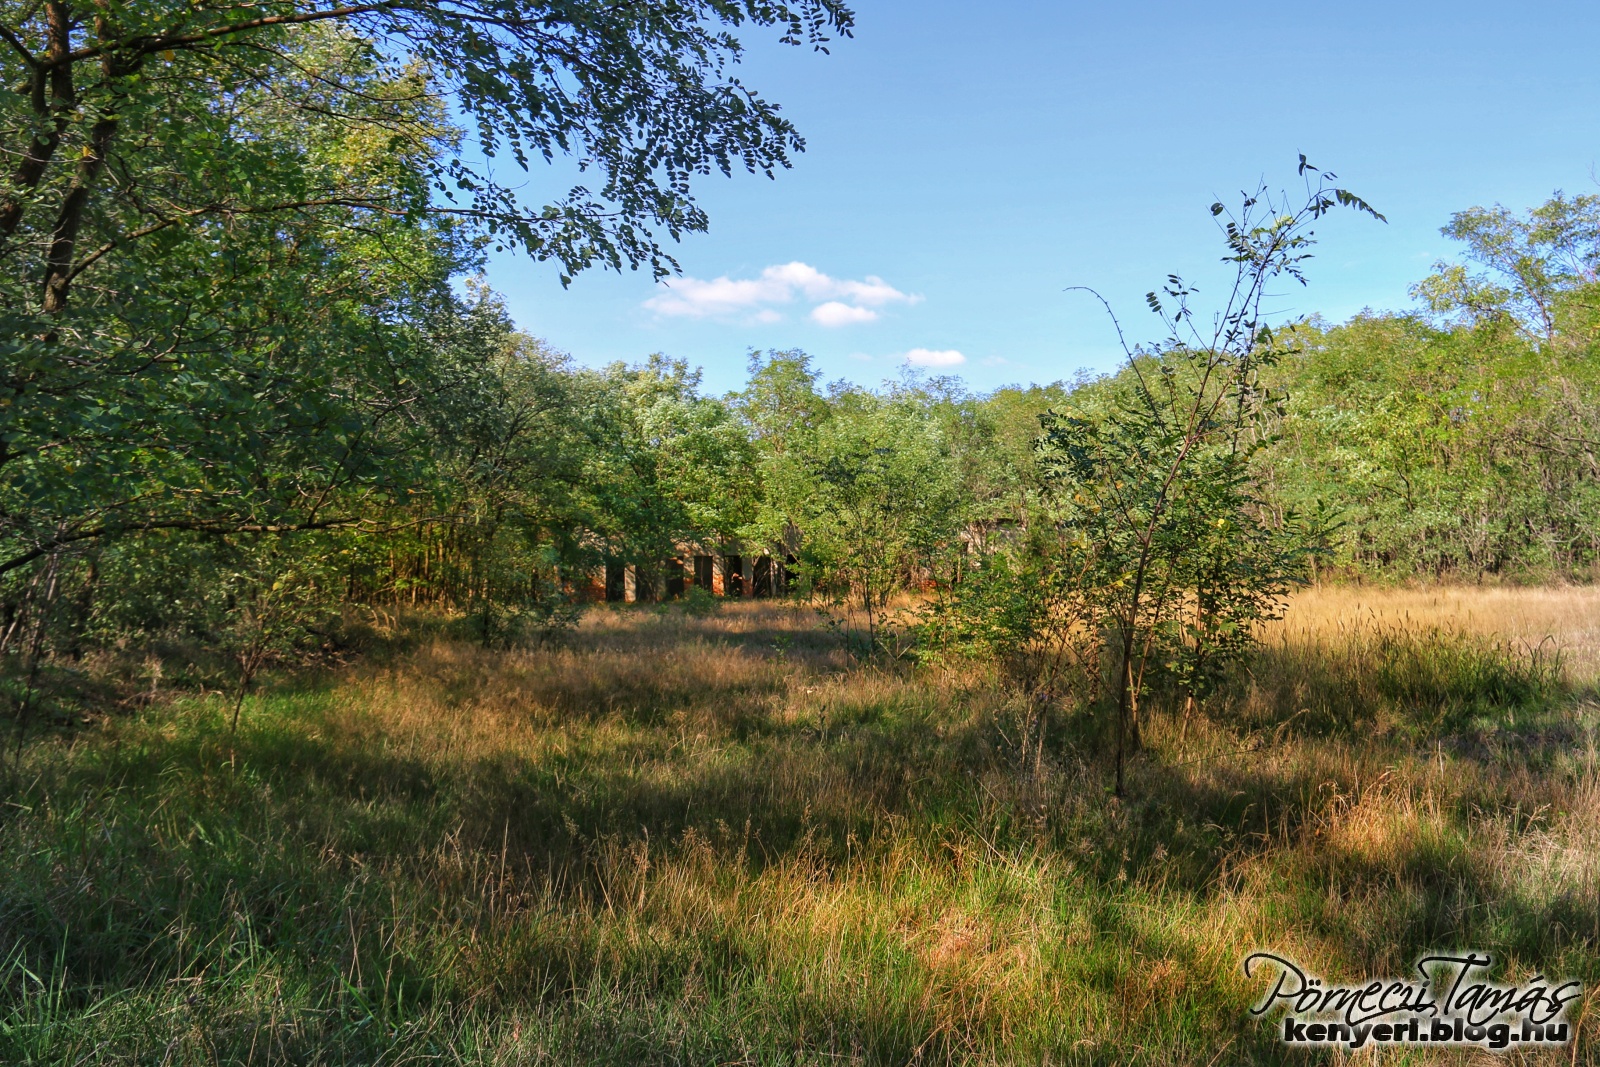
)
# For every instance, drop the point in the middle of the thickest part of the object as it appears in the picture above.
(674, 839)
(1566, 616)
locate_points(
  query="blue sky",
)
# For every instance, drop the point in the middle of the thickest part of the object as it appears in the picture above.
(966, 163)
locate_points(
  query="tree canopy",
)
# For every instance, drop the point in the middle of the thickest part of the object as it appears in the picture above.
(234, 236)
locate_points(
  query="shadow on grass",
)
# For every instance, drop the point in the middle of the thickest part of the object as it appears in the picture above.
(610, 842)
(1415, 683)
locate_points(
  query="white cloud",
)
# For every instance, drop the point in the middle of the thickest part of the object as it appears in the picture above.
(838, 301)
(927, 357)
(833, 313)
(874, 292)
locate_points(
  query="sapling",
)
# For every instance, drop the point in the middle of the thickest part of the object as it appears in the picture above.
(1156, 477)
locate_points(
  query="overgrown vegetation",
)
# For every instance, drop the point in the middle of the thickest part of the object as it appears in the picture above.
(458, 464)
(484, 474)
(239, 323)
(315, 756)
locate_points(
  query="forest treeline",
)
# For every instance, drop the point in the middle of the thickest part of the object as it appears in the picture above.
(463, 464)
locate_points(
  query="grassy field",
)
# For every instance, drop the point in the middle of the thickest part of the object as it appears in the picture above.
(719, 840)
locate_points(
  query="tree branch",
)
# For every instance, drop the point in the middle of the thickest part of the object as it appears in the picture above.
(145, 45)
(214, 527)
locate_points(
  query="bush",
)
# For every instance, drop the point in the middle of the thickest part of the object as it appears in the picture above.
(699, 601)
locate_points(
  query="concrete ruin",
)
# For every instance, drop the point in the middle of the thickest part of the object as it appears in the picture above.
(727, 574)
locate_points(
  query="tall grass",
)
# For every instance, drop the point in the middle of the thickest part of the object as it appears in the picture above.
(720, 839)
(1371, 674)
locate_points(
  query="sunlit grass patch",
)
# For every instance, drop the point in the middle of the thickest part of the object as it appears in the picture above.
(721, 839)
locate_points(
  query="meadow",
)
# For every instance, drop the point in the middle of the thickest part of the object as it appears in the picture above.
(717, 838)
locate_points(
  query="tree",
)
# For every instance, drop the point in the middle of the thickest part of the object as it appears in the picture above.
(1459, 440)
(1535, 263)
(1155, 481)
(120, 119)
(782, 412)
(670, 465)
(504, 505)
(274, 598)
(229, 233)
(251, 372)
(878, 499)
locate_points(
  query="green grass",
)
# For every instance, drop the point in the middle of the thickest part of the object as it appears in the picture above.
(712, 839)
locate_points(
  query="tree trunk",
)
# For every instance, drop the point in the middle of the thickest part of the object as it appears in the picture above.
(1124, 687)
(41, 149)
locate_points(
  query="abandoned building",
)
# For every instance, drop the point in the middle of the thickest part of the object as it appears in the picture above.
(720, 574)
